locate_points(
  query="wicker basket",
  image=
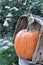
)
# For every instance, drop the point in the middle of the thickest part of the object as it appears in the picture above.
(25, 62)
(22, 24)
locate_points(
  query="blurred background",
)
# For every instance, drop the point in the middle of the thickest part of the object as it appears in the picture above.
(10, 10)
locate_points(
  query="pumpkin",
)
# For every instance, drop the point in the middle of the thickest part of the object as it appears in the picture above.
(25, 43)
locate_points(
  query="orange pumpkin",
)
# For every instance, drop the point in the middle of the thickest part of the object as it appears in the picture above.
(25, 43)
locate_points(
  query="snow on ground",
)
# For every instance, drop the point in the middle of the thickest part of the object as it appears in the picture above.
(5, 44)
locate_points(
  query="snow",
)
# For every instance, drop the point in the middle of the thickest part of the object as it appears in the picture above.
(19, 0)
(5, 23)
(7, 7)
(1, 40)
(5, 47)
(10, 44)
(0, 0)
(14, 8)
(8, 18)
(0, 10)
(25, 2)
(5, 44)
(10, 0)
(9, 55)
(42, 11)
(9, 14)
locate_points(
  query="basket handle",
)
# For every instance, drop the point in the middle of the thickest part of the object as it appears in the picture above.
(36, 54)
(38, 20)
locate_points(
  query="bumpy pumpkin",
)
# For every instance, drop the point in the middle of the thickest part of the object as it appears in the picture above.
(25, 43)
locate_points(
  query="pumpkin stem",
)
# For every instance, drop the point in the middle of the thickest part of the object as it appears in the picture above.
(30, 21)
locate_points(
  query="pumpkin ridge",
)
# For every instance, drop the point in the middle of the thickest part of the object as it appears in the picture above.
(25, 43)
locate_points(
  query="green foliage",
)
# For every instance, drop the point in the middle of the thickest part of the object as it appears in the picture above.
(16, 8)
(8, 57)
